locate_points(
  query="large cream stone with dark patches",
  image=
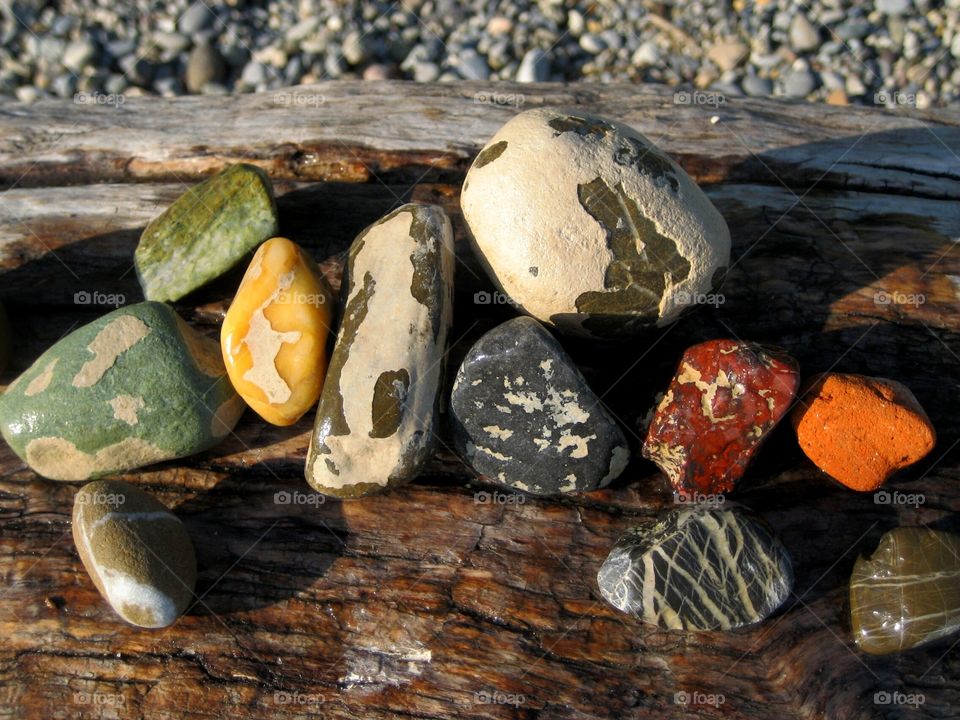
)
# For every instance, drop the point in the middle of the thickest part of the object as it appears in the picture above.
(134, 387)
(377, 412)
(274, 336)
(137, 552)
(589, 227)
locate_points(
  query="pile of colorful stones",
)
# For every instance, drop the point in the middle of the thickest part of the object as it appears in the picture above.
(591, 231)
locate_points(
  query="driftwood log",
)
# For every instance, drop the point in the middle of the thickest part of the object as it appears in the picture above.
(428, 602)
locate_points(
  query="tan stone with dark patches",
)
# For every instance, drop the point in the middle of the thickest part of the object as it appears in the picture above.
(375, 421)
(588, 226)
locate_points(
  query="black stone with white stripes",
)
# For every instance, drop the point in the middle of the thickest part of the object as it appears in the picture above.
(698, 569)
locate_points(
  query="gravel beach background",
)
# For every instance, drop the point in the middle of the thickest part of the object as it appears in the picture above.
(884, 52)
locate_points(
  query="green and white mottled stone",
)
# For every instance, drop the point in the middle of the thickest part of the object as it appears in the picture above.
(590, 227)
(132, 388)
(206, 231)
(137, 552)
(377, 413)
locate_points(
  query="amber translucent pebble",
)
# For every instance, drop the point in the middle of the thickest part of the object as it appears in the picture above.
(908, 592)
(274, 335)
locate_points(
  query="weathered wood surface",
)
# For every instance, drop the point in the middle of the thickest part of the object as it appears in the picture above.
(417, 602)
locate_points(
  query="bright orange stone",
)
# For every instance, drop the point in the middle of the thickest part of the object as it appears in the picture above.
(860, 430)
(274, 336)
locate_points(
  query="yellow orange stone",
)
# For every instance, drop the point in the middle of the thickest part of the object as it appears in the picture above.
(274, 336)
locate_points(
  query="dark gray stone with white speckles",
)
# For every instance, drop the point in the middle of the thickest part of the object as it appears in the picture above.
(524, 417)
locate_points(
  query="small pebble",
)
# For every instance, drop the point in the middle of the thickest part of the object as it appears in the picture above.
(524, 417)
(728, 55)
(860, 430)
(471, 66)
(799, 83)
(425, 72)
(894, 7)
(196, 18)
(698, 569)
(274, 335)
(724, 400)
(134, 387)
(78, 54)
(356, 48)
(804, 35)
(205, 232)
(647, 54)
(906, 593)
(205, 65)
(254, 74)
(138, 553)
(499, 25)
(757, 86)
(591, 43)
(378, 71)
(173, 42)
(535, 67)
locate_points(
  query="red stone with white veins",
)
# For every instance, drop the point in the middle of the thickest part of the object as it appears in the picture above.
(723, 401)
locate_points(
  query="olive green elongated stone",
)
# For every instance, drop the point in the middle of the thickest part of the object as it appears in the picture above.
(132, 388)
(205, 232)
(137, 552)
(908, 592)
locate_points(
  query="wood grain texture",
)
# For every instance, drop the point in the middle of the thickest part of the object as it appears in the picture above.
(425, 601)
